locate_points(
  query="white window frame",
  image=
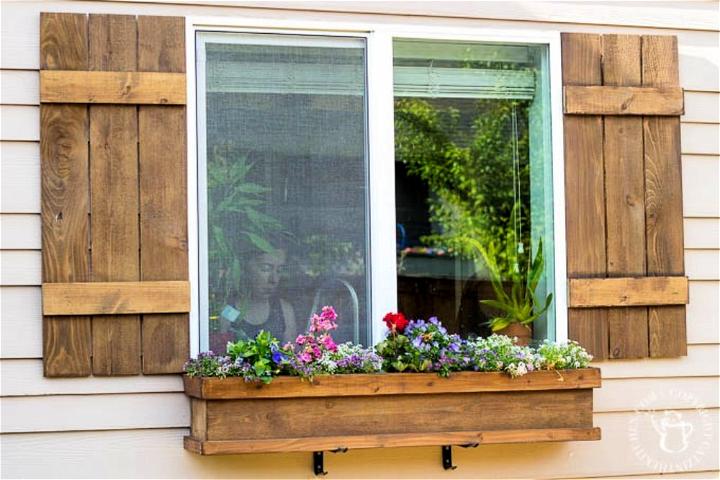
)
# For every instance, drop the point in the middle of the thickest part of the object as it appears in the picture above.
(381, 150)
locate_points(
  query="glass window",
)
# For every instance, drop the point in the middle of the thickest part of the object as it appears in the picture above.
(283, 184)
(472, 174)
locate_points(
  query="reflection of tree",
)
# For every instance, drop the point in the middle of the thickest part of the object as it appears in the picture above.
(471, 179)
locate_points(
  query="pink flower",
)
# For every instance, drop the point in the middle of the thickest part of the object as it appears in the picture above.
(328, 313)
(329, 343)
(300, 340)
(305, 357)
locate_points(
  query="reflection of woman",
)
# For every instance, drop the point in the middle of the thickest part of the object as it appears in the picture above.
(259, 306)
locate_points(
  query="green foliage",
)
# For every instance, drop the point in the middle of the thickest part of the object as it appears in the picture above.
(470, 174)
(257, 355)
(520, 304)
(237, 222)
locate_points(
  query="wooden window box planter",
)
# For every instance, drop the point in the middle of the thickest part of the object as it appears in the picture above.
(339, 412)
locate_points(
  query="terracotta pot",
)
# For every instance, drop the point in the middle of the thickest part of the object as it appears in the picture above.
(522, 332)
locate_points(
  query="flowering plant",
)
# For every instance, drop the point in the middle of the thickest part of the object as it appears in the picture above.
(410, 346)
(257, 359)
(316, 353)
(396, 322)
(349, 358)
(422, 347)
(498, 353)
(558, 356)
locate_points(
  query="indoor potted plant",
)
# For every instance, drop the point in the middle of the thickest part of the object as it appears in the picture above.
(518, 304)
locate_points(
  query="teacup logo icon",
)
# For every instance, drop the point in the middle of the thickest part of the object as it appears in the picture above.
(674, 432)
(671, 431)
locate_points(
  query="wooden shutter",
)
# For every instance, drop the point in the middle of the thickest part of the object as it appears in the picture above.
(114, 203)
(622, 102)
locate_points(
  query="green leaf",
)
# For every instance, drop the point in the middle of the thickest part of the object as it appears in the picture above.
(259, 242)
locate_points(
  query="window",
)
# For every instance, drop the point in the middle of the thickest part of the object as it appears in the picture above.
(473, 167)
(284, 183)
(288, 170)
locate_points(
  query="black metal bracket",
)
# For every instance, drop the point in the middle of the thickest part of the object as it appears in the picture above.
(319, 463)
(447, 457)
(447, 462)
(319, 460)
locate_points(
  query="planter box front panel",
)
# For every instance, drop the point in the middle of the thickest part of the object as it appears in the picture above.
(230, 416)
(311, 417)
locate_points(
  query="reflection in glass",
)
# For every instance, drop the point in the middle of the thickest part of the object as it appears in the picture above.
(286, 184)
(473, 166)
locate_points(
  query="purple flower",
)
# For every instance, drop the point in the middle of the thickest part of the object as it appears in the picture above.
(278, 357)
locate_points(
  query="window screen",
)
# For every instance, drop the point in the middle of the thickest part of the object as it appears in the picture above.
(284, 183)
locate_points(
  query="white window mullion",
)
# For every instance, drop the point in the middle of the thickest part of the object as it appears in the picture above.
(383, 274)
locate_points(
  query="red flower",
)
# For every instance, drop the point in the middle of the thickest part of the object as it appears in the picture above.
(396, 322)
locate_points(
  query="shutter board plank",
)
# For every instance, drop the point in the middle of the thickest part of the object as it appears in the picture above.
(65, 195)
(113, 43)
(618, 100)
(584, 183)
(161, 44)
(122, 298)
(663, 196)
(163, 194)
(624, 197)
(114, 196)
(627, 292)
(667, 331)
(63, 41)
(112, 87)
(163, 230)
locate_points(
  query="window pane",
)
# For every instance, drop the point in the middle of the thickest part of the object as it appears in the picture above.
(473, 172)
(286, 184)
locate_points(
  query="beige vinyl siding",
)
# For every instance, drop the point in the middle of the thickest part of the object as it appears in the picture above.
(157, 454)
(20, 172)
(133, 426)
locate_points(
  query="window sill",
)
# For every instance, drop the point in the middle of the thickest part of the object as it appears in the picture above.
(338, 412)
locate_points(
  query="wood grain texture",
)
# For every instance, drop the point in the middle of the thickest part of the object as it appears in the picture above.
(371, 411)
(65, 196)
(113, 43)
(115, 233)
(627, 292)
(584, 189)
(624, 197)
(111, 298)
(329, 443)
(607, 100)
(114, 198)
(63, 41)
(257, 419)
(139, 88)
(161, 45)
(198, 418)
(663, 196)
(390, 384)
(163, 193)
